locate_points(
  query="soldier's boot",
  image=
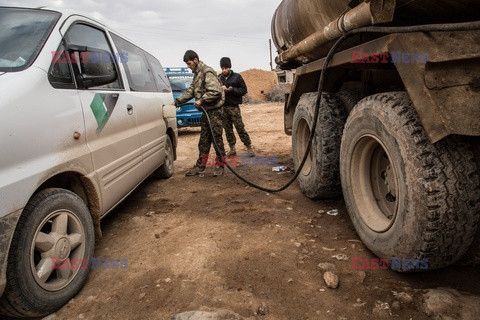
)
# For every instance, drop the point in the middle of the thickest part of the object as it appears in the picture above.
(217, 171)
(232, 152)
(195, 170)
(250, 151)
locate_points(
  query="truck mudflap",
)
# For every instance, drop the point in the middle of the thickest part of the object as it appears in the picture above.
(446, 89)
(7, 227)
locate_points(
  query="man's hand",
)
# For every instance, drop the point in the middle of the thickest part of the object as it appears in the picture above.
(227, 89)
(197, 104)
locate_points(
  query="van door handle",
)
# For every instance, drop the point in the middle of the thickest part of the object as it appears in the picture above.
(129, 109)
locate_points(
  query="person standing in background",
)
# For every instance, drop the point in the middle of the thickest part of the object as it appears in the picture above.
(206, 90)
(235, 88)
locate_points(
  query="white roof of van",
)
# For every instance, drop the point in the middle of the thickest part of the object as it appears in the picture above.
(69, 12)
(64, 11)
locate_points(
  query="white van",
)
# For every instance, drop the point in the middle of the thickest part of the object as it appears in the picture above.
(86, 116)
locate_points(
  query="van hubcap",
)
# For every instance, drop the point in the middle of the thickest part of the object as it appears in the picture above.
(57, 250)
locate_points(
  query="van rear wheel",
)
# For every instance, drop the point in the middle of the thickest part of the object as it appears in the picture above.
(167, 168)
(49, 257)
(407, 198)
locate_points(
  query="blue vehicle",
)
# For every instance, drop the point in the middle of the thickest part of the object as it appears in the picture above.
(180, 79)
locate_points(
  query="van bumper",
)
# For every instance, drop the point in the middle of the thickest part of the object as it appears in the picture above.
(7, 227)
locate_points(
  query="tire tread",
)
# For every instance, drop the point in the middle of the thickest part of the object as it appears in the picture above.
(447, 178)
(324, 180)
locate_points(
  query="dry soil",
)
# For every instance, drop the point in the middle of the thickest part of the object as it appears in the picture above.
(202, 243)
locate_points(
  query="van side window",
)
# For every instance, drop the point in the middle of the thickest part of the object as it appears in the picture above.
(88, 36)
(136, 66)
(60, 75)
(159, 75)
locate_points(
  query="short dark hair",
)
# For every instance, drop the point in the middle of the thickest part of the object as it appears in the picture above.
(190, 55)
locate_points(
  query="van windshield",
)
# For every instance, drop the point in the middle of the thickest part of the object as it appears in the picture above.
(23, 33)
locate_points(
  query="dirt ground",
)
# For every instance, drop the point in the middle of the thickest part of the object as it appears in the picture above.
(204, 243)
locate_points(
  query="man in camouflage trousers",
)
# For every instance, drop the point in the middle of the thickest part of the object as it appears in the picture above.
(208, 93)
(235, 88)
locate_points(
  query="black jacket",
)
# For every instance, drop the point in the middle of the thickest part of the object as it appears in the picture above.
(234, 80)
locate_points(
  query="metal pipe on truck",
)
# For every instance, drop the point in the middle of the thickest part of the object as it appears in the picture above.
(366, 13)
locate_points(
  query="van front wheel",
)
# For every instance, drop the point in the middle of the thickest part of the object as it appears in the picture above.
(49, 257)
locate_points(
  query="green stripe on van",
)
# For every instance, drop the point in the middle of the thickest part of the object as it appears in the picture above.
(102, 107)
(99, 110)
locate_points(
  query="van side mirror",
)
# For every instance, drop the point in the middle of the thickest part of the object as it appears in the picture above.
(96, 67)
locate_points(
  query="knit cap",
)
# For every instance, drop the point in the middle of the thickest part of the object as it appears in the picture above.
(225, 62)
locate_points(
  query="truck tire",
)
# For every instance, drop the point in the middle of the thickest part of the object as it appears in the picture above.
(472, 256)
(49, 257)
(320, 176)
(167, 168)
(407, 198)
(349, 98)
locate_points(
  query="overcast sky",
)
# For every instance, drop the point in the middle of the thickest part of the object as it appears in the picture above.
(239, 29)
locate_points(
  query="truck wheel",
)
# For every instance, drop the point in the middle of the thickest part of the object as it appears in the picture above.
(319, 177)
(349, 98)
(472, 256)
(166, 169)
(407, 197)
(49, 257)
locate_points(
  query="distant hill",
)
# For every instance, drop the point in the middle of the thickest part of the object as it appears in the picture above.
(259, 82)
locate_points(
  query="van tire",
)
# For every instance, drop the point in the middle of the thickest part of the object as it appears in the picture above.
(407, 197)
(167, 168)
(55, 223)
(319, 177)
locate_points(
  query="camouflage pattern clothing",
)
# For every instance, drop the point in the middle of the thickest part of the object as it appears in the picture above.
(206, 137)
(233, 117)
(205, 87)
(231, 111)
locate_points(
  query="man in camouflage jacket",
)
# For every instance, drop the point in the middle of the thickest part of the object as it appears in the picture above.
(208, 93)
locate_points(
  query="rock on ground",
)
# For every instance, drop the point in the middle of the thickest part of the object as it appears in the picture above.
(207, 315)
(327, 266)
(331, 279)
(448, 304)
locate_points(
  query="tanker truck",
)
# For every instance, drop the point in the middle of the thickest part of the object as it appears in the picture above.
(398, 126)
